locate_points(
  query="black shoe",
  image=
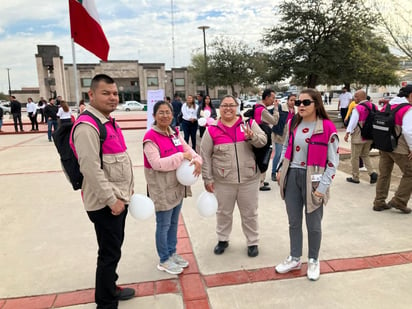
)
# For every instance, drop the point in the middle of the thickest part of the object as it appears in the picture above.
(273, 177)
(381, 207)
(405, 210)
(220, 247)
(252, 251)
(374, 177)
(264, 188)
(124, 293)
(265, 183)
(350, 179)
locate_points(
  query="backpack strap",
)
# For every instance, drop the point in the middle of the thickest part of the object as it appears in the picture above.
(102, 133)
(369, 110)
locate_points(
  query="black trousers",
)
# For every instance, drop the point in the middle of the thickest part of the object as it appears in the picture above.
(110, 235)
(189, 131)
(17, 119)
(33, 120)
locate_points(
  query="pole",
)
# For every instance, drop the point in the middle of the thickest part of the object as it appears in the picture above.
(76, 84)
(204, 53)
(8, 76)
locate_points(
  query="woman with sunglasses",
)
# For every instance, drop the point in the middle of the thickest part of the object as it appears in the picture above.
(310, 159)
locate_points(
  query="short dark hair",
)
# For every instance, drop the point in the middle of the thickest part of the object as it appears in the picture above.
(99, 78)
(405, 91)
(266, 93)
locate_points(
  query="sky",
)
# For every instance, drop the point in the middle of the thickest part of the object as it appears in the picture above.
(136, 30)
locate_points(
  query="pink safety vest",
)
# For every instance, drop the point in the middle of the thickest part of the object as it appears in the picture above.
(363, 112)
(114, 142)
(258, 113)
(165, 144)
(220, 135)
(400, 113)
(317, 145)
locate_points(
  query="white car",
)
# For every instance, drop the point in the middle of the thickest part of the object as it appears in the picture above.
(131, 106)
(250, 103)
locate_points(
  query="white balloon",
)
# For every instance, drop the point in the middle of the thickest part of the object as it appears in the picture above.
(184, 173)
(207, 204)
(141, 207)
(206, 113)
(202, 121)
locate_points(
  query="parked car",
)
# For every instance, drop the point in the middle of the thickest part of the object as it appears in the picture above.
(216, 103)
(385, 100)
(249, 103)
(131, 106)
(5, 108)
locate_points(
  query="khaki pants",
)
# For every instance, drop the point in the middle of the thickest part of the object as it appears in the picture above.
(361, 151)
(403, 193)
(246, 196)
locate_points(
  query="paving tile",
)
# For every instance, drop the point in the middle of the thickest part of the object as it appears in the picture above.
(74, 298)
(167, 286)
(407, 255)
(386, 260)
(262, 274)
(192, 287)
(234, 277)
(145, 289)
(184, 246)
(197, 304)
(192, 268)
(349, 264)
(35, 302)
(181, 231)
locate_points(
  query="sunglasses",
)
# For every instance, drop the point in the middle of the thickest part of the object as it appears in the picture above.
(304, 102)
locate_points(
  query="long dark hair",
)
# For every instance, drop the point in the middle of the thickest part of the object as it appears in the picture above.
(319, 108)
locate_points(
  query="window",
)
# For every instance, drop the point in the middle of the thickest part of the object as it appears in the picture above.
(181, 94)
(152, 81)
(179, 81)
(86, 82)
(134, 83)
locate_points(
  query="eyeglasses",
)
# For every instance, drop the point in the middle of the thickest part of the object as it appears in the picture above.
(228, 106)
(164, 113)
(304, 102)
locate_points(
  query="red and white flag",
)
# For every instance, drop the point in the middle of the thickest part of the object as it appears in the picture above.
(86, 29)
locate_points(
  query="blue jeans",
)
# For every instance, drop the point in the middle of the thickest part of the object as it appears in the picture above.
(51, 123)
(166, 232)
(276, 157)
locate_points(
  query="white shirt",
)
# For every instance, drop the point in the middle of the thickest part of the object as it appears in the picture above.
(189, 113)
(344, 99)
(31, 107)
(64, 115)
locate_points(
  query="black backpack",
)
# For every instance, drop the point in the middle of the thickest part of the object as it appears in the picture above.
(367, 128)
(262, 155)
(68, 160)
(384, 134)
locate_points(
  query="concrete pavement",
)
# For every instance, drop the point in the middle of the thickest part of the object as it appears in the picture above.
(48, 246)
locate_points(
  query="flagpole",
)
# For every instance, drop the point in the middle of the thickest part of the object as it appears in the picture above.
(76, 84)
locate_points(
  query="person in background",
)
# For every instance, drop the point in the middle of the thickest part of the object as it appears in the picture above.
(40, 108)
(31, 109)
(344, 99)
(64, 113)
(50, 113)
(230, 171)
(82, 106)
(401, 156)
(1, 119)
(189, 122)
(206, 106)
(164, 151)
(286, 113)
(309, 162)
(177, 108)
(107, 188)
(15, 109)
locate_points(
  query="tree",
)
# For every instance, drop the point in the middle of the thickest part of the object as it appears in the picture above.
(230, 63)
(318, 41)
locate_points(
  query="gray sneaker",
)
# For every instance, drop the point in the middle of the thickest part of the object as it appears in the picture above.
(179, 261)
(170, 267)
(289, 264)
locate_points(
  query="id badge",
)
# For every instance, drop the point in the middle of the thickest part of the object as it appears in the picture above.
(316, 177)
(176, 141)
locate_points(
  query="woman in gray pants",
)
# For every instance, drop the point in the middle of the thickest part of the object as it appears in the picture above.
(310, 158)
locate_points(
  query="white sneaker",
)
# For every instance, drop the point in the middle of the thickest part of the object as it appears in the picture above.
(170, 267)
(313, 269)
(363, 169)
(289, 264)
(179, 261)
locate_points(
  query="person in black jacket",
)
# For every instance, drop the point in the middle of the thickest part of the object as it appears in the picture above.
(50, 113)
(15, 109)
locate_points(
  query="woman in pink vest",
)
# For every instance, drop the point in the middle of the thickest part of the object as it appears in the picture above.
(164, 151)
(310, 158)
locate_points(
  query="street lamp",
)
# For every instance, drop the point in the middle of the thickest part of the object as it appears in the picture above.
(203, 28)
(8, 76)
